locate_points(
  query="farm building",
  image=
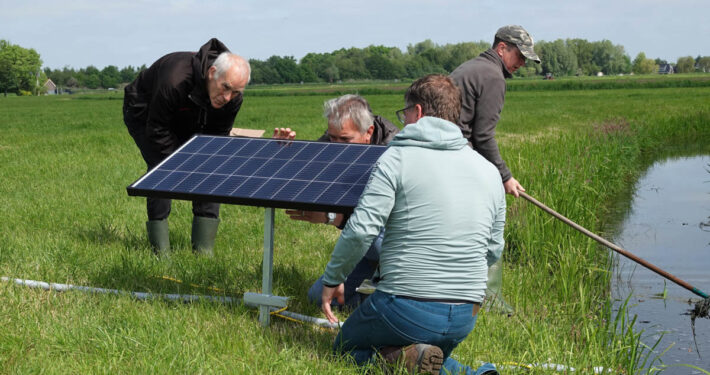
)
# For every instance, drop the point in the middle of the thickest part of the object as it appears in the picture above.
(666, 69)
(50, 87)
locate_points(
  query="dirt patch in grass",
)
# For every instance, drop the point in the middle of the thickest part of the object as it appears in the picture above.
(613, 127)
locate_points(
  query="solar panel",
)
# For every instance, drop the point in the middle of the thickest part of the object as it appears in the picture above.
(304, 175)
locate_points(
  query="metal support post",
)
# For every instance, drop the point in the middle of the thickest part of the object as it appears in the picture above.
(268, 265)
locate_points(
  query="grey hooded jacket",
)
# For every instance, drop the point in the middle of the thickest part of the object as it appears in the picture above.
(443, 209)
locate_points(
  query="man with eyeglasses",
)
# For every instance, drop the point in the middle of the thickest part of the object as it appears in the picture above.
(350, 120)
(180, 95)
(436, 248)
(482, 84)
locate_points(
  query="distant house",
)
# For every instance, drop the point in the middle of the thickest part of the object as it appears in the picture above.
(50, 88)
(666, 69)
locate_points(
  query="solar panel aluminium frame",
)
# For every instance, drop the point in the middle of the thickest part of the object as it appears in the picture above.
(357, 159)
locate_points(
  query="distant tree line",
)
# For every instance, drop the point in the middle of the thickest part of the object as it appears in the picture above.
(21, 73)
(93, 78)
(570, 57)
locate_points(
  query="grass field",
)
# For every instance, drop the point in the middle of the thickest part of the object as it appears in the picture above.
(65, 163)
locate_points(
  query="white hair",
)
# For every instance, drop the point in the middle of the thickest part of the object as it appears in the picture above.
(349, 106)
(226, 60)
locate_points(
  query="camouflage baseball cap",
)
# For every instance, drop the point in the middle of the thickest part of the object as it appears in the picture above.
(517, 35)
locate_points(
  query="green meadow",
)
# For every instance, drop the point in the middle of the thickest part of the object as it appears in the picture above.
(65, 162)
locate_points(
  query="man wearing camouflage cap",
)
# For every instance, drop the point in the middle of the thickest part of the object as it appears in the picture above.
(482, 84)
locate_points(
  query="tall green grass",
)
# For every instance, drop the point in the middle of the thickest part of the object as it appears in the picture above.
(649, 81)
(65, 163)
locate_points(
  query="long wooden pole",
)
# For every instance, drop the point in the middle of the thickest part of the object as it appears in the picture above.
(614, 247)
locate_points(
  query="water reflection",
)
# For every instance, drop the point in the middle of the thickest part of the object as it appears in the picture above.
(669, 226)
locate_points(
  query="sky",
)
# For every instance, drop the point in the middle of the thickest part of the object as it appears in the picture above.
(122, 33)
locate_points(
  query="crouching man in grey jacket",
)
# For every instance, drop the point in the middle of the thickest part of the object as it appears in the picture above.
(437, 246)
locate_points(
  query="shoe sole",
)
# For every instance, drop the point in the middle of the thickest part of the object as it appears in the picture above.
(431, 360)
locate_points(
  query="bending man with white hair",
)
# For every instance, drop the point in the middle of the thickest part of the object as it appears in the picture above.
(180, 95)
(350, 120)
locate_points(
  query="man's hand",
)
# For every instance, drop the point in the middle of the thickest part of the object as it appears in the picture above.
(512, 186)
(314, 217)
(327, 297)
(284, 133)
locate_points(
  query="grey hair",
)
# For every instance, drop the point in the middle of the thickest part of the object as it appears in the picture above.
(349, 106)
(226, 60)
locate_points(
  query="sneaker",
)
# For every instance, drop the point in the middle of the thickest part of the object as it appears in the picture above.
(416, 358)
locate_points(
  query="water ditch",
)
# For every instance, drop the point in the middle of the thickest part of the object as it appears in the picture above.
(668, 224)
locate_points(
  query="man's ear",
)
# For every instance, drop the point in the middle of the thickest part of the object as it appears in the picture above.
(420, 111)
(210, 72)
(369, 132)
(499, 48)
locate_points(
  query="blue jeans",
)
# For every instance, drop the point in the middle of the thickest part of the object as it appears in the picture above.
(363, 270)
(387, 320)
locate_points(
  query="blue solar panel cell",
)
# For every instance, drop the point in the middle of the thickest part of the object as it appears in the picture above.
(350, 156)
(231, 165)
(311, 192)
(270, 168)
(353, 173)
(230, 149)
(174, 162)
(269, 188)
(291, 169)
(212, 163)
(193, 163)
(210, 183)
(289, 150)
(227, 187)
(332, 171)
(152, 179)
(250, 167)
(195, 145)
(265, 172)
(351, 197)
(216, 145)
(368, 158)
(268, 149)
(328, 154)
(188, 184)
(250, 185)
(172, 179)
(311, 170)
(309, 151)
(290, 190)
(249, 149)
(334, 192)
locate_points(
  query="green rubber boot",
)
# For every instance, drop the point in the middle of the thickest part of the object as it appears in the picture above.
(158, 235)
(204, 231)
(494, 297)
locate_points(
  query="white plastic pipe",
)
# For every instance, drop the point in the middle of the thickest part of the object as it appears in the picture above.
(174, 297)
(137, 295)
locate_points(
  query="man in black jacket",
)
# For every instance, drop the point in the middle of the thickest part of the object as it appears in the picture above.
(180, 95)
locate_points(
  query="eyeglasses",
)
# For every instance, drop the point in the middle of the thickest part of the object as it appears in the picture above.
(400, 113)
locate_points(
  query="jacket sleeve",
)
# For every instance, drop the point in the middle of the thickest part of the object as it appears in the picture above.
(497, 242)
(367, 220)
(482, 112)
(162, 109)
